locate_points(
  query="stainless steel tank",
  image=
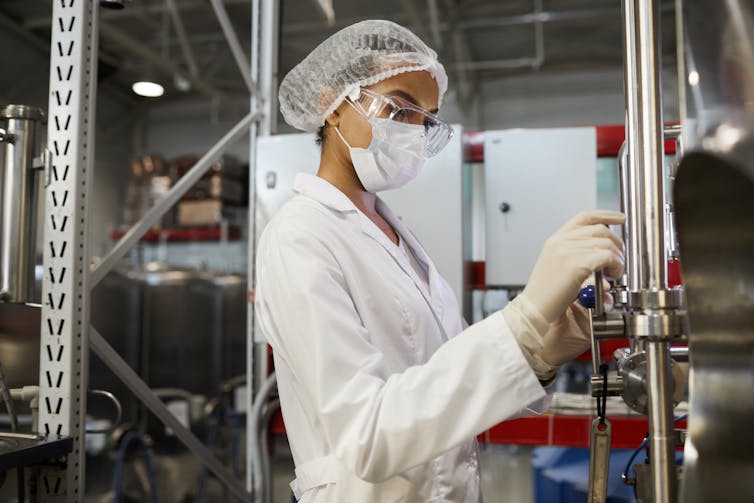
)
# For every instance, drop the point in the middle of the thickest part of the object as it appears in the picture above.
(178, 328)
(19, 129)
(223, 297)
(714, 197)
(116, 306)
(19, 343)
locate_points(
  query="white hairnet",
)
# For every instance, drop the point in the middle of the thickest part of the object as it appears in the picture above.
(357, 56)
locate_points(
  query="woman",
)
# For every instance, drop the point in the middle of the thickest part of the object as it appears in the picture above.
(382, 387)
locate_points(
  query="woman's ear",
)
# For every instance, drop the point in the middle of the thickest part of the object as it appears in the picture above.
(333, 119)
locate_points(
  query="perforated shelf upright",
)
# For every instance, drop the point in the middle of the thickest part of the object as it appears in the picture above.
(65, 306)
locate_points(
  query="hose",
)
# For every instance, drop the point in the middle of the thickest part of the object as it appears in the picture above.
(8, 401)
(173, 393)
(236, 438)
(129, 438)
(624, 476)
(256, 412)
(118, 411)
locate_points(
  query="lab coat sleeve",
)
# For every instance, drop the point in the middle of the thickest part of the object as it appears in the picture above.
(379, 423)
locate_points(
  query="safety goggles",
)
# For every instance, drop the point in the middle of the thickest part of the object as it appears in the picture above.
(374, 105)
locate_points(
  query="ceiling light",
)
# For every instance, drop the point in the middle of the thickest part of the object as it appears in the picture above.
(694, 78)
(148, 89)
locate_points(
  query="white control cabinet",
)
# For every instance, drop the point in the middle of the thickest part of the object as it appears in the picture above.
(535, 181)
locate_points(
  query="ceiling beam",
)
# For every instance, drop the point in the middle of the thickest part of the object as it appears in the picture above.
(180, 31)
(152, 58)
(412, 13)
(13, 27)
(145, 11)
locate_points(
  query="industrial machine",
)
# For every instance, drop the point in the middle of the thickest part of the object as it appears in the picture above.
(713, 311)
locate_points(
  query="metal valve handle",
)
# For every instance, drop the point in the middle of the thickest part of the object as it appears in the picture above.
(593, 298)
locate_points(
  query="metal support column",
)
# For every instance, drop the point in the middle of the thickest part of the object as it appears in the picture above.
(63, 361)
(263, 67)
(251, 360)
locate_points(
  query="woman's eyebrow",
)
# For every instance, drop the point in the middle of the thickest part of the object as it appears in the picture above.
(408, 97)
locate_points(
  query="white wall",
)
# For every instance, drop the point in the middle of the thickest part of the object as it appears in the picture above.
(176, 129)
(546, 99)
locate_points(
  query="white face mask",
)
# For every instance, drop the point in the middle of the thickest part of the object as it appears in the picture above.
(394, 158)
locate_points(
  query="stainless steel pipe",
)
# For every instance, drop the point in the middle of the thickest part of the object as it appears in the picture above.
(18, 202)
(661, 429)
(645, 209)
(644, 134)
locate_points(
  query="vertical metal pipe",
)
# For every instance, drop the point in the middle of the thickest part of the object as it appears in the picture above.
(251, 241)
(623, 191)
(649, 148)
(661, 437)
(647, 267)
(268, 66)
(632, 189)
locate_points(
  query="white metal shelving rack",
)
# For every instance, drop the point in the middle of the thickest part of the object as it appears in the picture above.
(66, 334)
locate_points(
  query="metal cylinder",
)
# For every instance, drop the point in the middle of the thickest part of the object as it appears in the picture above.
(660, 411)
(632, 190)
(644, 133)
(645, 208)
(18, 201)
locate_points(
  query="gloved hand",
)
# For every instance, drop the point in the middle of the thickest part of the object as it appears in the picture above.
(569, 256)
(567, 337)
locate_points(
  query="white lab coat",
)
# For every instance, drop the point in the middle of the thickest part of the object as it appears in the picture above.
(382, 389)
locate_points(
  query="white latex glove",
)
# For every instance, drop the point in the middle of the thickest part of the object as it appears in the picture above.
(529, 328)
(567, 337)
(570, 256)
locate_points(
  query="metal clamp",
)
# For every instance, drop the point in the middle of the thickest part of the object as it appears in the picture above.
(44, 162)
(657, 325)
(614, 385)
(609, 326)
(6, 137)
(671, 298)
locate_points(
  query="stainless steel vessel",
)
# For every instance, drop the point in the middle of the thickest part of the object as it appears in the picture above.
(19, 136)
(177, 328)
(715, 216)
(714, 197)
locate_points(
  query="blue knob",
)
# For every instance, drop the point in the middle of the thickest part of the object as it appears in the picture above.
(586, 297)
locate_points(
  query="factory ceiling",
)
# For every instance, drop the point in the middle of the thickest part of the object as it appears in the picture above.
(181, 42)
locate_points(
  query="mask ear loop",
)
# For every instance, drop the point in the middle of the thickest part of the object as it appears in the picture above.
(337, 130)
(351, 100)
